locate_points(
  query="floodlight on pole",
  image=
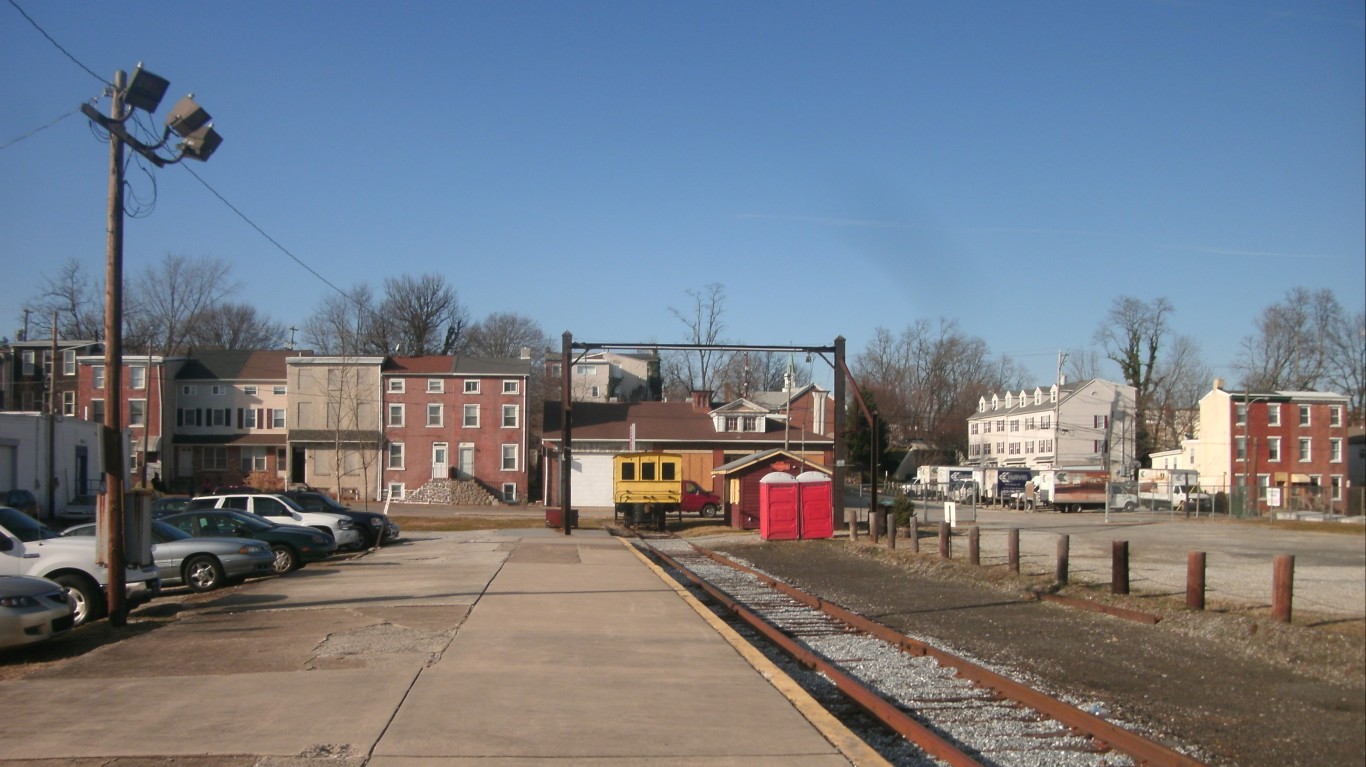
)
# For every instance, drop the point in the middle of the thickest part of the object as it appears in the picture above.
(189, 121)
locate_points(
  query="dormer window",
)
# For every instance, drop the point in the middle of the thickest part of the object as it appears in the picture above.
(1038, 396)
(981, 404)
(1053, 393)
(995, 402)
(1010, 401)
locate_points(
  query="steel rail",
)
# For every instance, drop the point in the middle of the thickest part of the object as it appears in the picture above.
(884, 711)
(1143, 750)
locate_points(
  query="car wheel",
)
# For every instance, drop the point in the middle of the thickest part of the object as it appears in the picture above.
(203, 573)
(368, 540)
(285, 559)
(709, 510)
(85, 595)
(1129, 506)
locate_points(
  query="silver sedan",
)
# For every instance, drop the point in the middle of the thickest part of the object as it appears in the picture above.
(202, 564)
(32, 610)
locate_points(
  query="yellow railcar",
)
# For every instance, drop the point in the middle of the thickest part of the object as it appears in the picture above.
(647, 485)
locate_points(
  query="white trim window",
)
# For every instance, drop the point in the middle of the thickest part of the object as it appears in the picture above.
(69, 362)
(509, 492)
(395, 414)
(471, 385)
(253, 459)
(1335, 482)
(436, 386)
(1306, 449)
(1304, 415)
(510, 416)
(279, 390)
(1273, 414)
(1273, 449)
(218, 390)
(137, 412)
(1335, 416)
(434, 414)
(28, 362)
(189, 390)
(397, 385)
(509, 457)
(277, 418)
(511, 386)
(250, 390)
(1335, 450)
(395, 456)
(471, 417)
(394, 491)
(69, 403)
(97, 376)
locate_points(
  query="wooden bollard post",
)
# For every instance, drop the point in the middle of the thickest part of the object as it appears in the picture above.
(1013, 550)
(874, 522)
(1282, 587)
(915, 534)
(1195, 580)
(974, 545)
(1060, 574)
(1119, 567)
(944, 552)
(891, 529)
(851, 518)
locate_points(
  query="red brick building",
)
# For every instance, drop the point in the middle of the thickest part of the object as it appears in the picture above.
(146, 390)
(1274, 451)
(454, 423)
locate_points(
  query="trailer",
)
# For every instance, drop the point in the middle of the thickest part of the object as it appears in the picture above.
(1177, 489)
(1077, 489)
(1004, 485)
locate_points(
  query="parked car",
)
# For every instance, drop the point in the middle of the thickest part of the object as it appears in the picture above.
(375, 528)
(169, 504)
(23, 500)
(80, 509)
(293, 545)
(29, 547)
(202, 564)
(33, 610)
(283, 511)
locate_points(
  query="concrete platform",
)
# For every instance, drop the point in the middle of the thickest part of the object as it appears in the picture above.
(523, 647)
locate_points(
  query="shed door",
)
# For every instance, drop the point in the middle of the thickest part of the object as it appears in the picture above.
(592, 480)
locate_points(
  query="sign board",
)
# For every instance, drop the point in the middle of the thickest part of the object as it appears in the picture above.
(1273, 497)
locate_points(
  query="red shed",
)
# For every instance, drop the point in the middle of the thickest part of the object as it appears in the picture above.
(740, 482)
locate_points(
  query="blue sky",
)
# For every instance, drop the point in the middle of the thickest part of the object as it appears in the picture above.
(838, 167)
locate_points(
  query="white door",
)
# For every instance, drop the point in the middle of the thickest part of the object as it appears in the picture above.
(466, 461)
(591, 480)
(441, 460)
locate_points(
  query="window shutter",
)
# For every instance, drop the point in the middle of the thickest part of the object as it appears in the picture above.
(239, 418)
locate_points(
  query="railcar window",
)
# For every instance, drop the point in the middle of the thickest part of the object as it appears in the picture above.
(647, 471)
(668, 470)
(628, 471)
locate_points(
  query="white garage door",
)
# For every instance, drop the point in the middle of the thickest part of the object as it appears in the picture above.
(592, 480)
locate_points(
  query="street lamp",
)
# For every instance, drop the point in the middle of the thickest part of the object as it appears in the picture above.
(192, 124)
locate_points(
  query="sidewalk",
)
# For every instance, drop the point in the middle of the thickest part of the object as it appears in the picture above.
(523, 647)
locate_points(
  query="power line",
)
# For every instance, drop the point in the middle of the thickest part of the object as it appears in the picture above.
(39, 129)
(58, 45)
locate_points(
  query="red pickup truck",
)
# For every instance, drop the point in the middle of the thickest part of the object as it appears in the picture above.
(694, 498)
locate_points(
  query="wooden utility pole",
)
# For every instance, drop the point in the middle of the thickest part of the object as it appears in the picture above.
(113, 447)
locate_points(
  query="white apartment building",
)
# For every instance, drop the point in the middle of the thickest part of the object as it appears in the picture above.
(1091, 423)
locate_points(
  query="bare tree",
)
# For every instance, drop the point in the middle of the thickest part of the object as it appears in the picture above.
(418, 314)
(232, 326)
(167, 298)
(76, 299)
(341, 323)
(1082, 364)
(697, 370)
(1290, 349)
(505, 334)
(1347, 363)
(928, 378)
(1132, 335)
(1174, 407)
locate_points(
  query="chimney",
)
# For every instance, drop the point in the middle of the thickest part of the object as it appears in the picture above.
(701, 400)
(526, 353)
(1219, 383)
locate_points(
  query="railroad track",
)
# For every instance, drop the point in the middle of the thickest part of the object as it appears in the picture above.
(917, 704)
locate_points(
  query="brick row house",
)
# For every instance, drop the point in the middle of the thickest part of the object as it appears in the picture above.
(28, 373)
(1277, 450)
(280, 418)
(456, 429)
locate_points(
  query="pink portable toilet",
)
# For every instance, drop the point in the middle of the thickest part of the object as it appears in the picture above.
(778, 507)
(815, 506)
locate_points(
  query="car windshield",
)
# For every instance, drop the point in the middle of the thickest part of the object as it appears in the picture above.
(163, 533)
(290, 502)
(24, 527)
(250, 521)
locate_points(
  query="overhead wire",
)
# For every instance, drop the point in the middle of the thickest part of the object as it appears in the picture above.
(58, 45)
